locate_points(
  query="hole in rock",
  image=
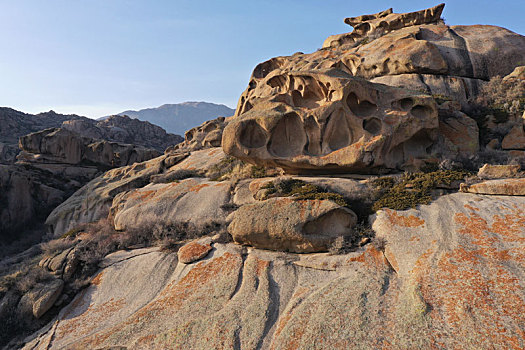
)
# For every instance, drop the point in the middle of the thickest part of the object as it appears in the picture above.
(308, 98)
(313, 132)
(277, 81)
(406, 103)
(421, 111)
(210, 127)
(252, 135)
(288, 136)
(337, 133)
(262, 69)
(246, 107)
(338, 222)
(362, 28)
(418, 146)
(372, 125)
(189, 134)
(360, 108)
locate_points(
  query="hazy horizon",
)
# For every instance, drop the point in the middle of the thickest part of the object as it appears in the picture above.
(99, 58)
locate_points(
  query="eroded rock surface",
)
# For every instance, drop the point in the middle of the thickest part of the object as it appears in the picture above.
(207, 135)
(196, 201)
(489, 171)
(27, 196)
(508, 187)
(124, 129)
(330, 121)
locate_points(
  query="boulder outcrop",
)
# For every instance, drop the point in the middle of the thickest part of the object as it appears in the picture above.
(195, 201)
(124, 129)
(299, 226)
(207, 135)
(194, 251)
(343, 256)
(16, 124)
(27, 196)
(505, 187)
(311, 112)
(121, 129)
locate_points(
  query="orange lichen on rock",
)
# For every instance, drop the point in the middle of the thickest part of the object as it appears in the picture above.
(97, 279)
(479, 280)
(262, 266)
(82, 325)
(198, 188)
(468, 206)
(208, 279)
(193, 251)
(402, 220)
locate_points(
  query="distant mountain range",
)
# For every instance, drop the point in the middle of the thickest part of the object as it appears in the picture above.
(179, 118)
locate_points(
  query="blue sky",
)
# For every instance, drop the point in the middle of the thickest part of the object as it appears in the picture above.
(97, 57)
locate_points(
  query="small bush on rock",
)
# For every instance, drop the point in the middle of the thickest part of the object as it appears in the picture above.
(501, 99)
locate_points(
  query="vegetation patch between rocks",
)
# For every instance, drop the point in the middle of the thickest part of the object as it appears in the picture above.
(413, 189)
(234, 169)
(302, 190)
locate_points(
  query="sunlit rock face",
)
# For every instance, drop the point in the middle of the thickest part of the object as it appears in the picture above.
(327, 120)
(317, 113)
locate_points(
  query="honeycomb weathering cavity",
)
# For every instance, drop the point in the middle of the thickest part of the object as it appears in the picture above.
(328, 120)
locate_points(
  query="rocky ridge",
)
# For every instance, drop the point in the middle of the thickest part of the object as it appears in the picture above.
(54, 162)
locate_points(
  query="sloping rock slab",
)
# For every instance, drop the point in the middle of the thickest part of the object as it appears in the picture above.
(117, 292)
(195, 200)
(464, 256)
(93, 201)
(453, 279)
(489, 171)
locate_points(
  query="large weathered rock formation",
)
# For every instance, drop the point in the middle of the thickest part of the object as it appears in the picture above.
(269, 261)
(314, 112)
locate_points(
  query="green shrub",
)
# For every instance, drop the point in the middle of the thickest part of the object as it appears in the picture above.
(500, 98)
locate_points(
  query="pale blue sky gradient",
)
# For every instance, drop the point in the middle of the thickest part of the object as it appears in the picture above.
(97, 57)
